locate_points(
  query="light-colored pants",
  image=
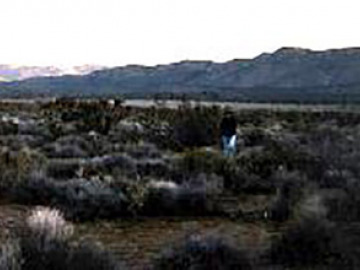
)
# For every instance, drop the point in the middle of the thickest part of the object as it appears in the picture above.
(229, 145)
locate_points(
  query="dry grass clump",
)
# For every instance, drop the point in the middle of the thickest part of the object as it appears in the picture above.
(46, 245)
(49, 222)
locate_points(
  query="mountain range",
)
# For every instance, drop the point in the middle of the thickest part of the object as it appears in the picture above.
(14, 72)
(287, 75)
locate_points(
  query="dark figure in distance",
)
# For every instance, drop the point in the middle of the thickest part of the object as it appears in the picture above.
(228, 134)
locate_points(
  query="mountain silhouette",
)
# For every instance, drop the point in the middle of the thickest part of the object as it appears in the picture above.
(287, 75)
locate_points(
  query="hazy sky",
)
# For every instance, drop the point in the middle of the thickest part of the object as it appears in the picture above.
(150, 32)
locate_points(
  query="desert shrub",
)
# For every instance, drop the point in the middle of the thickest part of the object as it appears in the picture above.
(160, 201)
(137, 192)
(70, 115)
(198, 161)
(56, 129)
(35, 189)
(34, 127)
(239, 180)
(234, 172)
(178, 129)
(278, 154)
(198, 252)
(290, 192)
(155, 122)
(128, 130)
(254, 117)
(196, 196)
(326, 154)
(56, 150)
(79, 199)
(185, 127)
(17, 141)
(343, 204)
(46, 245)
(235, 177)
(109, 146)
(92, 117)
(144, 150)
(50, 223)
(310, 243)
(262, 163)
(86, 200)
(254, 136)
(312, 204)
(10, 255)
(298, 120)
(117, 165)
(99, 258)
(75, 140)
(340, 151)
(63, 169)
(8, 128)
(194, 127)
(68, 147)
(102, 144)
(15, 166)
(155, 167)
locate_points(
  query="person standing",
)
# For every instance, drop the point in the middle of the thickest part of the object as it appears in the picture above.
(228, 134)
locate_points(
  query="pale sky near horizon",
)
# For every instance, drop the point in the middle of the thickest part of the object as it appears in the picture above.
(151, 32)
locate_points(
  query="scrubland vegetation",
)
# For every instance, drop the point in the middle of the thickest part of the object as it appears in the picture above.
(93, 161)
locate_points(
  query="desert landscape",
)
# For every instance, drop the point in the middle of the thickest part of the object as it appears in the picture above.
(179, 135)
(118, 184)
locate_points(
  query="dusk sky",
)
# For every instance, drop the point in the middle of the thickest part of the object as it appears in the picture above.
(150, 32)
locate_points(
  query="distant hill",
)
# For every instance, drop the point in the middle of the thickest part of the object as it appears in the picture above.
(14, 73)
(287, 75)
